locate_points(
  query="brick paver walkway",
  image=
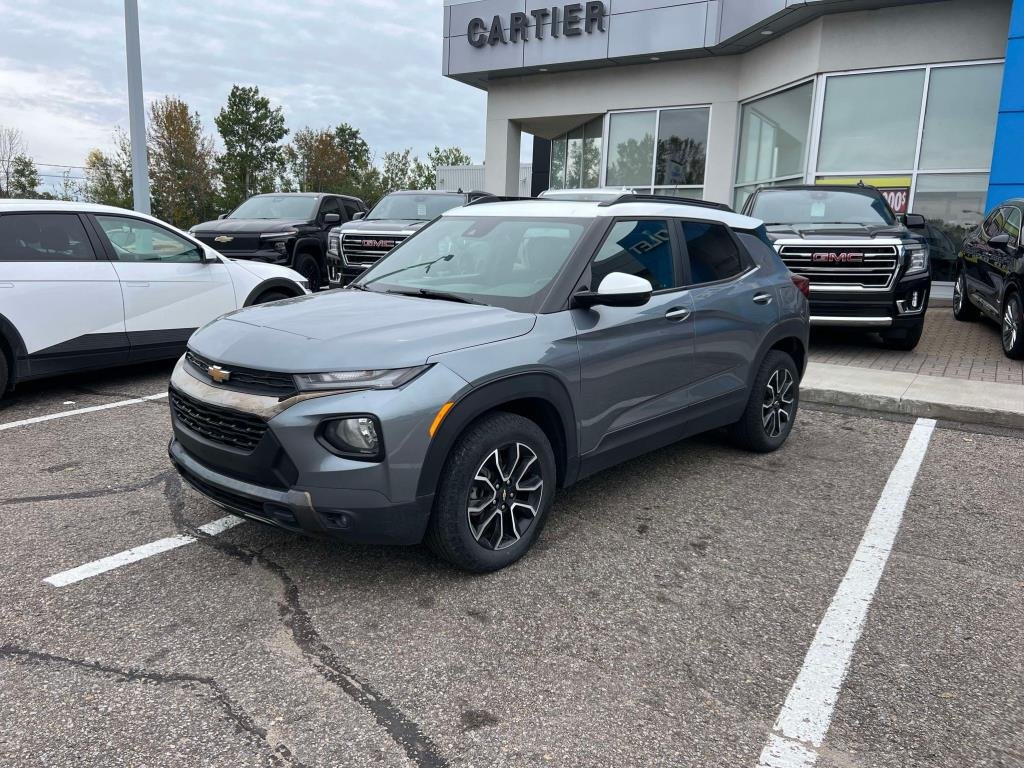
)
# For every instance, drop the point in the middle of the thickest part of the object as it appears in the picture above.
(948, 348)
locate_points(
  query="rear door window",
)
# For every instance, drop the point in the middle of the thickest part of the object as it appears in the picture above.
(44, 237)
(642, 248)
(713, 253)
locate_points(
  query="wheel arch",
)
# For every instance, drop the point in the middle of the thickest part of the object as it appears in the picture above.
(310, 246)
(273, 284)
(12, 347)
(540, 397)
(789, 336)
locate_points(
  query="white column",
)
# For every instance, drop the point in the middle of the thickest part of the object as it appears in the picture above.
(722, 143)
(136, 108)
(501, 164)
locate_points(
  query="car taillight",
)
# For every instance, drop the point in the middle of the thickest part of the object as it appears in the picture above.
(802, 284)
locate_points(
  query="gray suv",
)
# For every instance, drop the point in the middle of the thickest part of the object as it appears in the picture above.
(505, 351)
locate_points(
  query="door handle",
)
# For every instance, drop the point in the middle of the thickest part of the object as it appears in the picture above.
(677, 314)
(763, 299)
(137, 285)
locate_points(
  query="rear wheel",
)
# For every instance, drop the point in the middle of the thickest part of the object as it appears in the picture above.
(904, 339)
(963, 310)
(772, 407)
(307, 266)
(4, 374)
(1012, 333)
(496, 489)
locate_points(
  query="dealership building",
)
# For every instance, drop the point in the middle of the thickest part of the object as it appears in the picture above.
(713, 98)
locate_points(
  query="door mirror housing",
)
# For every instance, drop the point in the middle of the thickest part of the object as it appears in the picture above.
(915, 221)
(358, 215)
(1002, 240)
(331, 218)
(222, 216)
(616, 290)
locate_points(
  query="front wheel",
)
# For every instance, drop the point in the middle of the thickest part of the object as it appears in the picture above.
(307, 266)
(1013, 334)
(772, 407)
(963, 310)
(496, 489)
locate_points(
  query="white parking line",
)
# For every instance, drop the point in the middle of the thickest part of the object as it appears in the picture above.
(96, 567)
(80, 411)
(807, 713)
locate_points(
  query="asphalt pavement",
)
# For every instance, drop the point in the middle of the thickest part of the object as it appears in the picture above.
(662, 619)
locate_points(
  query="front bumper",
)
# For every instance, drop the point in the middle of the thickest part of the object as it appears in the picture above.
(902, 307)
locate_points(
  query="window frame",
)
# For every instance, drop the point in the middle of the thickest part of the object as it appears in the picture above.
(111, 253)
(745, 258)
(678, 259)
(90, 237)
(1020, 215)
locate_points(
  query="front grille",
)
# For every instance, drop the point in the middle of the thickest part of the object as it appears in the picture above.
(871, 267)
(231, 428)
(248, 380)
(237, 244)
(365, 250)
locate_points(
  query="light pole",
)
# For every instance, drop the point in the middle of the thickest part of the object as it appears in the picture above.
(136, 108)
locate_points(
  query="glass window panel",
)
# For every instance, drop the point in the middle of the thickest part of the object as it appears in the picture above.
(682, 146)
(642, 248)
(691, 193)
(870, 122)
(773, 135)
(136, 240)
(960, 120)
(953, 204)
(630, 149)
(712, 252)
(557, 180)
(574, 159)
(592, 135)
(43, 237)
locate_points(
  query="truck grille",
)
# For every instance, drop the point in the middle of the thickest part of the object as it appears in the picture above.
(237, 244)
(360, 249)
(269, 383)
(856, 266)
(230, 428)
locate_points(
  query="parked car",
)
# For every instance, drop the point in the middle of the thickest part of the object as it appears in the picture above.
(506, 350)
(358, 245)
(90, 286)
(990, 275)
(289, 229)
(868, 267)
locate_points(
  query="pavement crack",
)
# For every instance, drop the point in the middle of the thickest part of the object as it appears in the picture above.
(94, 494)
(241, 720)
(323, 659)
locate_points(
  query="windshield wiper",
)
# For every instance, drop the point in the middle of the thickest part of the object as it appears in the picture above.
(427, 293)
(425, 264)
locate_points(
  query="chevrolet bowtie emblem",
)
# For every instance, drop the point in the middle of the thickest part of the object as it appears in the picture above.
(223, 239)
(218, 374)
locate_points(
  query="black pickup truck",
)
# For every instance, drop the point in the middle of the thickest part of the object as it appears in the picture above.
(289, 229)
(868, 267)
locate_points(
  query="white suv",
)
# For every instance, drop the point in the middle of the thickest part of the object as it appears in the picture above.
(89, 286)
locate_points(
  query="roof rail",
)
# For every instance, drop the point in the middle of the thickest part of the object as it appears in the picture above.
(639, 198)
(486, 197)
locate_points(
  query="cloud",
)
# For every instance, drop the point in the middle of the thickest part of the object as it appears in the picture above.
(373, 63)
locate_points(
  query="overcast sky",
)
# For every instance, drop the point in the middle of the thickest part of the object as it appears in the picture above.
(373, 63)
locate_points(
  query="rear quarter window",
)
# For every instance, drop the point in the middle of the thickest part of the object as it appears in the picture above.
(44, 237)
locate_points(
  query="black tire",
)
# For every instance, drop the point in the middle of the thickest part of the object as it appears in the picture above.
(904, 339)
(307, 266)
(963, 310)
(4, 374)
(1012, 326)
(451, 534)
(269, 296)
(776, 388)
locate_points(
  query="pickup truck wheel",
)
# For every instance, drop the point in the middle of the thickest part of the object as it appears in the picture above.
(903, 340)
(963, 310)
(1012, 332)
(495, 493)
(306, 265)
(772, 407)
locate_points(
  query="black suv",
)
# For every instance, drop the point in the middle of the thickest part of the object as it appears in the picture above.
(282, 228)
(868, 267)
(360, 244)
(990, 275)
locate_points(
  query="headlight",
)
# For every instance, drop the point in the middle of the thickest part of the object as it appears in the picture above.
(283, 233)
(917, 258)
(344, 380)
(333, 245)
(356, 437)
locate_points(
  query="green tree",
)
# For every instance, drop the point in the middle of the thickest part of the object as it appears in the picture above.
(182, 164)
(252, 132)
(424, 175)
(12, 146)
(317, 161)
(25, 180)
(108, 177)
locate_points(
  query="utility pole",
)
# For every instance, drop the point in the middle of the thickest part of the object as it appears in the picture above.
(136, 108)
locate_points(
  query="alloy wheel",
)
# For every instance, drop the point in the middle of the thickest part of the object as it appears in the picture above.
(1011, 324)
(958, 293)
(778, 404)
(505, 496)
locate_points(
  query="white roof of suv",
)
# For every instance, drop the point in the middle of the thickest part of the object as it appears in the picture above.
(569, 209)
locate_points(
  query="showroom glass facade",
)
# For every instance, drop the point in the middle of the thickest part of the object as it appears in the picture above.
(923, 134)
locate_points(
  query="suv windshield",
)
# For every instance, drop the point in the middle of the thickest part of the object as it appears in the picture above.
(506, 262)
(276, 207)
(424, 207)
(820, 206)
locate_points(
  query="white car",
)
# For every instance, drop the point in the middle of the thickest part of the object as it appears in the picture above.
(89, 286)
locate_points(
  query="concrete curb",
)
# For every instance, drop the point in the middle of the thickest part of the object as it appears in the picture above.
(912, 394)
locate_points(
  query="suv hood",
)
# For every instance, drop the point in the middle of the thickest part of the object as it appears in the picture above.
(248, 226)
(353, 330)
(852, 231)
(384, 225)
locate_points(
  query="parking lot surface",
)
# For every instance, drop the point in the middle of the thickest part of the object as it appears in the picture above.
(662, 619)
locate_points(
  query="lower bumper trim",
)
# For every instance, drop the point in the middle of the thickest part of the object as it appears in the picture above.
(852, 322)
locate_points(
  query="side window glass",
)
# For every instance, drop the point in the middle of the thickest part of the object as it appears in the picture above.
(1011, 224)
(139, 241)
(43, 237)
(713, 253)
(330, 205)
(994, 223)
(642, 248)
